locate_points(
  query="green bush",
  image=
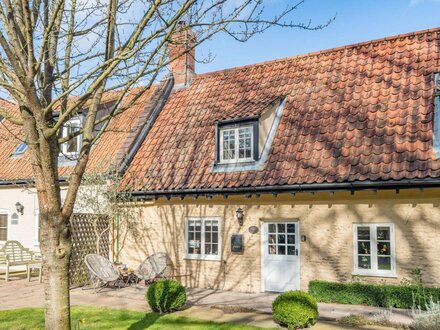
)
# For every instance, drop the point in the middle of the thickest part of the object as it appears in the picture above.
(166, 296)
(399, 296)
(295, 309)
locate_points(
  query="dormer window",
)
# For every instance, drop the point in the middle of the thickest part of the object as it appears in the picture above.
(236, 144)
(73, 146)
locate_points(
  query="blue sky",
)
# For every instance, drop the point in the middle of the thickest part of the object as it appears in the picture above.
(356, 21)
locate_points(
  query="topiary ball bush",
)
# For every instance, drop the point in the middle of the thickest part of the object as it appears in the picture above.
(295, 309)
(166, 296)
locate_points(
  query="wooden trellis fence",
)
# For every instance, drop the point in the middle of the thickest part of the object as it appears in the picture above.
(84, 227)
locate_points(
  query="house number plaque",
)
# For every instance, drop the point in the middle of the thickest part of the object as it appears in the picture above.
(237, 245)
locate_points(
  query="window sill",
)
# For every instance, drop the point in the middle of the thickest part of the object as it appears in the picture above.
(207, 258)
(390, 274)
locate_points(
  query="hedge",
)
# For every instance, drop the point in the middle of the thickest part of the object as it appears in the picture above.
(380, 295)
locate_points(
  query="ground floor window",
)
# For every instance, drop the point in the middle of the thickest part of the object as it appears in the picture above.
(374, 249)
(3, 226)
(202, 238)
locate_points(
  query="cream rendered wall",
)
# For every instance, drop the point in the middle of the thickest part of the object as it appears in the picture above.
(326, 220)
(25, 230)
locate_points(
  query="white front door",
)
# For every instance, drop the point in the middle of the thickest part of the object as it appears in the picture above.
(280, 256)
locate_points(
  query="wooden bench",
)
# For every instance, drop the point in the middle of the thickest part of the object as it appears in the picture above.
(14, 254)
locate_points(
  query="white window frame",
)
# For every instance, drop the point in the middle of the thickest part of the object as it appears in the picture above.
(8, 221)
(374, 271)
(76, 122)
(236, 159)
(37, 228)
(202, 255)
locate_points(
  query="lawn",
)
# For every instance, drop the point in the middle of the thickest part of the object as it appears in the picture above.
(102, 318)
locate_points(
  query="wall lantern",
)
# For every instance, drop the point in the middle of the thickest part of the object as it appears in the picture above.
(19, 207)
(239, 214)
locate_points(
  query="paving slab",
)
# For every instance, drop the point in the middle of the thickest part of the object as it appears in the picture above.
(223, 306)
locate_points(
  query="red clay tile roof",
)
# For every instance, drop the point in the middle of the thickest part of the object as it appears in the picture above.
(107, 151)
(354, 113)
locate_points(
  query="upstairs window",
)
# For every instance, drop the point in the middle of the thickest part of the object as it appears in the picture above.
(237, 143)
(73, 146)
(21, 148)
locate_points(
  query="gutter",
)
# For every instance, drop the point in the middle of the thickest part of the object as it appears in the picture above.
(159, 104)
(312, 188)
(24, 182)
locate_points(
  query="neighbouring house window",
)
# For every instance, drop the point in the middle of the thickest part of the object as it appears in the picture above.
(202, 238)
(21, 148)
(37, 228)
(73, 146)
(3, 226)
(374, 250)
(236, 143)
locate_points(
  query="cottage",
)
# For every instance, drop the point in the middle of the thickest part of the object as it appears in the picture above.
(319, 166)
(114, 149)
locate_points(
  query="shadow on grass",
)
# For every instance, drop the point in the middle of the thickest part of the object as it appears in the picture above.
(101, 318)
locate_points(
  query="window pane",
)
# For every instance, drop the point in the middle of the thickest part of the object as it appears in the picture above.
(364, 262)
(291, 239)
(272, 249)
(363, 233)
(384, 263)
(281, 239)
(198, 225)
(281, 249)
(272, 238)
(291, 250)
(207, 237)
(214, 249)
(281, 228)
(3, 234)
(215, 237)
(364, 248)
(72, 146)
(383, 233)
(290, 227)
(3, 220)
(272, 228)
(383, 248)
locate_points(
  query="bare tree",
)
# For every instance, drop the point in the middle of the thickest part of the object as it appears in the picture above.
(58, 59)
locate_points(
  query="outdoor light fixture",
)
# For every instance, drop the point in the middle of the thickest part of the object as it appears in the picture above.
(239, 214)
(19, 207)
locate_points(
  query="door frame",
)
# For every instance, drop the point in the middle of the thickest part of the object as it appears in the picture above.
(263, 222)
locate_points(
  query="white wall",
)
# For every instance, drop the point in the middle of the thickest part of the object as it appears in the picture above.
(26, 230)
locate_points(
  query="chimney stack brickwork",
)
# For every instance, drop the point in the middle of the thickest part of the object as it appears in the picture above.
(183, 59)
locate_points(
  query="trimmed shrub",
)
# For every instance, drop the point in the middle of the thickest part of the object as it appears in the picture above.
(166, 296)
(379, 295)
(295, 309)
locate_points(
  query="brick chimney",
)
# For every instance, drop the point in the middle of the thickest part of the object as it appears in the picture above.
(183, 67)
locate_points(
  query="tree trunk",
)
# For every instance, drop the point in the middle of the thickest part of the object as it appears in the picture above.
(56, 249)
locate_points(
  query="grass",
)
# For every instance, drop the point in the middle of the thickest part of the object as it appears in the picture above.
(102, 318)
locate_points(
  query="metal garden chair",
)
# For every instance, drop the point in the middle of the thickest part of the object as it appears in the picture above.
(102, 271)
(153, 267)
